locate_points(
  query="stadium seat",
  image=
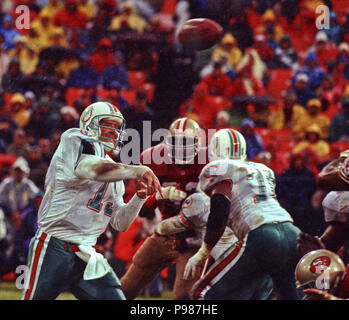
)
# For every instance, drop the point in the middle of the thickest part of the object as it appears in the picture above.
(72, 94)
(128, 95)
(136, 79)
(279, 82)
(148, 88)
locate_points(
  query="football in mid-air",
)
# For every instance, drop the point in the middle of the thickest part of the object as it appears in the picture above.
(200, 33)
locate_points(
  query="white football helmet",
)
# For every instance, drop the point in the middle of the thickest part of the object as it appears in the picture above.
(90, 121)
(183, 140)
(227, 144)
(312, 265)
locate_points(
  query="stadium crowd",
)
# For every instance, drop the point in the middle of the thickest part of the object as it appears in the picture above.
(274, 76)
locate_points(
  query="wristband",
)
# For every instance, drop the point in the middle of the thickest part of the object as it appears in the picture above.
(142, 170)
(204, 251)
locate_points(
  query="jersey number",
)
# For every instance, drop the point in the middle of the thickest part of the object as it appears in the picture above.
(96, 204)
(262, 196)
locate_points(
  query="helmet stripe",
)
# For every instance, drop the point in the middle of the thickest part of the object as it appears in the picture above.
(185, 123)
(236, 143)
(112, 107)
(181, 124)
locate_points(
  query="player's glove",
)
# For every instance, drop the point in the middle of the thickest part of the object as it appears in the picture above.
(196, 262)
(307, 243)
(171, 193)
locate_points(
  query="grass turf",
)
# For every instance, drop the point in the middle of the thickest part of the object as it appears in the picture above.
(8, 291)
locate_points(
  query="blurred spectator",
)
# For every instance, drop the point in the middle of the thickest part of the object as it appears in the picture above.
(67, 64)
(252, 59)
(333, 33)
(313, 141)
(222, 120)
(217, 82)
(268, 21)
(43, 120)
(70, 119)
(44, 144)
(51, 8)
(329, 108)
(265, 52)
(56, 38)
(87, 8)
(241, 30)
(4, 61)
(114, 96)
(101, 20)
(302, 89)
(128, 19)
(30, 101)
(45, 28)
(19, 111)
(285, 55)
(288, 115)
(339, 129)
(226, 67)
(136, 114)
(294, 189)
(38, 167)
(27, 229)
(8, 31)
(12, 80)
(279, 159)
(16, 192)
(246, 83)
(70, 18)
(83, 75)
(254, 142)
(312, 116)
(314, 73)
(324, 50)
(229, 46)
(116, 72)
(19, 147)
(103, 57)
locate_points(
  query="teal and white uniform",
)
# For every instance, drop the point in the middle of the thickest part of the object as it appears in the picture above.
(74, 212)
(270, 249)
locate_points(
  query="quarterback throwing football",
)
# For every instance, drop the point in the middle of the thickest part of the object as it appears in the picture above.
(83, 193)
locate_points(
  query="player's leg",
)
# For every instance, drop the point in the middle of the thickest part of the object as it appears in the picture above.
(105, 288)
(181, 288)
(284, 276)
(234, 276)
(155, 254)
(49, 268)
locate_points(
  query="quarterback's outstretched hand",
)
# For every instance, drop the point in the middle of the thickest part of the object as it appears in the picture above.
(171, 193)
(307, 243)
(152, 182)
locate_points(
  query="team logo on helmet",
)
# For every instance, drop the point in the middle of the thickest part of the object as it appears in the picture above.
(320, 264)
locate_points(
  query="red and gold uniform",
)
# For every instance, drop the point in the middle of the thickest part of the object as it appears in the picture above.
(158, 252)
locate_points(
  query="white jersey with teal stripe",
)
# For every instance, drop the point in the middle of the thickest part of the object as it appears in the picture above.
(194, 214)
(253, 193)
(75, 209)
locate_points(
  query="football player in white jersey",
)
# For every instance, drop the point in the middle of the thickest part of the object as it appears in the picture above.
(83, 193)
(242, 198)
(193, 216)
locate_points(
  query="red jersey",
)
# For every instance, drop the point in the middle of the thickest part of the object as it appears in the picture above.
(185, 177)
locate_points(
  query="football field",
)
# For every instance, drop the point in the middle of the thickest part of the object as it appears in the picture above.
(8, 291)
